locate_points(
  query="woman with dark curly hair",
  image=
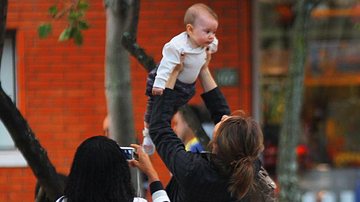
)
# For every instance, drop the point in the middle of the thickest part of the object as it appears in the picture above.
(100, 173)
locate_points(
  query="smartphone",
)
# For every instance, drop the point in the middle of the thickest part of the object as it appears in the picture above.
(129, 152)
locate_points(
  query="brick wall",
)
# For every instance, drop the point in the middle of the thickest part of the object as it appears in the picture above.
(61, 86)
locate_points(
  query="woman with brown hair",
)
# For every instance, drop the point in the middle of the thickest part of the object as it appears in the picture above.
(232, 171)
(237, 143)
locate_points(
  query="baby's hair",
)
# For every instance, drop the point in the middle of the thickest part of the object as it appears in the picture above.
(195, 10)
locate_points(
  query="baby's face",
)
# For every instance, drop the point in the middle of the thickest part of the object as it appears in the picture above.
(203, 31)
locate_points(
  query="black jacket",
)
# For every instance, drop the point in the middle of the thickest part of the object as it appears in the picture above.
(195, 178)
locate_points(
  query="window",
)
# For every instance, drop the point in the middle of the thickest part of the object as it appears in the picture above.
(9, 155)
(330, 139)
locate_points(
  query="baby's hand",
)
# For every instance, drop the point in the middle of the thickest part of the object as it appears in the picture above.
(157, 91)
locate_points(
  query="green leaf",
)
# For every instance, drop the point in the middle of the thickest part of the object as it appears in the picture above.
(83, 5)
(65, 34)
(83, 25)
(78, 37)
(53, 10)
(44, 30)
(74, 31)
(74, 15)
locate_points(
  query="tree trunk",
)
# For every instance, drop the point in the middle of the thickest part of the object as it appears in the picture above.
(22, 134)
(117, 73)
(119, 16)
(290, 130)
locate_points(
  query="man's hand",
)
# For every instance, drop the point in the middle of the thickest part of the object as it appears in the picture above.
(157, 91)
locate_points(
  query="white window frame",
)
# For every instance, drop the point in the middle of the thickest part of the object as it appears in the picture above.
(10, 157)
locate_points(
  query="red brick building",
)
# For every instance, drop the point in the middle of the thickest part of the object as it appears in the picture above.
(60, 87)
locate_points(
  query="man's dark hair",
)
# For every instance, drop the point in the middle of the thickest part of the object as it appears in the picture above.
(201, 113)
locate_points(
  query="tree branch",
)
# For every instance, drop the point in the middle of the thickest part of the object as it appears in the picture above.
(30, 147)
(22, 134)
(129, 42)
(134, 18)
(129, 38)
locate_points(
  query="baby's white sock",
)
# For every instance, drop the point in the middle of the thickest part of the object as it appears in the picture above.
(147, 145)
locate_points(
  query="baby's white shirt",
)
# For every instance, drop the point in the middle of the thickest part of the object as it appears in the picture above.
(193, 61)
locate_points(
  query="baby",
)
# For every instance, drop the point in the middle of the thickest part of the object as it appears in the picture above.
(188, 48)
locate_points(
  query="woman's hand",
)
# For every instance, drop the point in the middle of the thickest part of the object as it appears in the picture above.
(144, 164)
(207, 81)
(207, 60)
(174, 74)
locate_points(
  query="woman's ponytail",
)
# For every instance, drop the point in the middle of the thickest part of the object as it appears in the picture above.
(242, 178)
(238, 141)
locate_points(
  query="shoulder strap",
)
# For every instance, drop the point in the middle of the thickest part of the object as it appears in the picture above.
(263, 175)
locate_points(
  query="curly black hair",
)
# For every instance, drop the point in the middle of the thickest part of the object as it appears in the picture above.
(99, 173)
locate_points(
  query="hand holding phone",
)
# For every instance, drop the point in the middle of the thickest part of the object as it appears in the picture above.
(143, 163)
(129, 152)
